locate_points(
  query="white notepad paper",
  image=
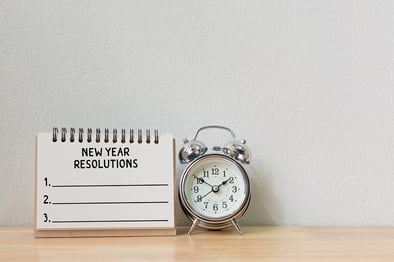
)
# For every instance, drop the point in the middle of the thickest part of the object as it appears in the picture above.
(104, 183)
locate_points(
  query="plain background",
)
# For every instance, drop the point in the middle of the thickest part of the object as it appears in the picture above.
(308, 84)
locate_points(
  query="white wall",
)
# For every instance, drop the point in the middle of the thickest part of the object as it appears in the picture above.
(309, 84)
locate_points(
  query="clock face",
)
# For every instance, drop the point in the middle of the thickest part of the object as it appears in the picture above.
(215, 187)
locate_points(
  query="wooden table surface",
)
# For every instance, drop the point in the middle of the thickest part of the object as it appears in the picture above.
(257, 244)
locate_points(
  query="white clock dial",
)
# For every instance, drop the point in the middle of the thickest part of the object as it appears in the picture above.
(215, 188)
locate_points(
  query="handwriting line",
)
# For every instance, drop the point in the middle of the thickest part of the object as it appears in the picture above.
(114, 185)
(111, 221)
(110, 202)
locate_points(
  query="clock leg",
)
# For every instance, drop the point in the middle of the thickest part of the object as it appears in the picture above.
(195, 223)
(237, 227)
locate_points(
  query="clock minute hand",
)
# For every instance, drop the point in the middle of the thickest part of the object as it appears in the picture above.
(224, 182)
(215, 189)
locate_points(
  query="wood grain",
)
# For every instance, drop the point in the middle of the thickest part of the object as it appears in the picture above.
(257, 244)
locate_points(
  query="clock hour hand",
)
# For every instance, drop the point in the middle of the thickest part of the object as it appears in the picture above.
(202, 180)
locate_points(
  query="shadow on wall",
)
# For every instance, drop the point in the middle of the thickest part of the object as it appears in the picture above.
(258, 212)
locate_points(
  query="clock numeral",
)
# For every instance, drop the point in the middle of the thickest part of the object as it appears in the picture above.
(196, 189)
(231, 180)
(206, 204)
(46, 219)
(224, 173)
(235, 189)
(231, 198)
(215, 171)
(46, 182)
(205, 173)
(199, 198)
(200, 180)
(215, 207)
(46, 200)
(224, 204)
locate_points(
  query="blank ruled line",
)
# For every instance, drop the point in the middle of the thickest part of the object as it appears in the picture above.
(110, 203)
(121, 185)
(110, 221)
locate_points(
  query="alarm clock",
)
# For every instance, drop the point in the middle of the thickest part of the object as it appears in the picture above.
(214, 189)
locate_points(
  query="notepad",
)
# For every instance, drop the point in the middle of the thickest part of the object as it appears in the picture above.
(104, 183)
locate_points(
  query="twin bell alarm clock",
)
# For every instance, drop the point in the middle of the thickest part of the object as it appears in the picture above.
(214, 189)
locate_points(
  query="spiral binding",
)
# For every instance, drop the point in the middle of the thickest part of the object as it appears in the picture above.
(113, 137)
